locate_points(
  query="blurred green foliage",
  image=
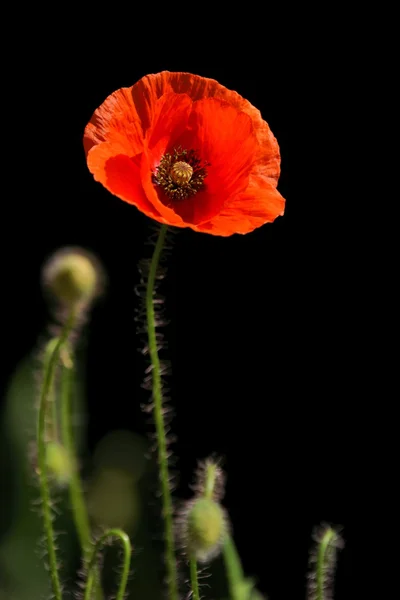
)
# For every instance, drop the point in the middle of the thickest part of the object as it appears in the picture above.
(120, 492)
(121, 486)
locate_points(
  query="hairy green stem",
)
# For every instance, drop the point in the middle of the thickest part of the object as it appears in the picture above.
(52, 425)
(233, 567)
(194, 579)
(159, 421)
(76, 495)
(94, 557)
(210, 480)
(50, 364)
(328, 538)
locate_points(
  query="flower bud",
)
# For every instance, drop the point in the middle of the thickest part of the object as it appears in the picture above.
(58, 462)
(203, 522)
(72, 276)
(203, 527)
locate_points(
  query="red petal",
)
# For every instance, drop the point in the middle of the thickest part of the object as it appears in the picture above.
(121, 176)
(171, 113)
(116, 121)
(261, 203)
(146, 92)
(224, 138)
(169, 215)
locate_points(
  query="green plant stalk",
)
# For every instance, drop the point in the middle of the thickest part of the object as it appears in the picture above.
(52, 427)
(93, 560)
(194, 579)
(51, 361)
(233, 567)
(328, 538)
(210, 480)
(76, 495)
(172, 575)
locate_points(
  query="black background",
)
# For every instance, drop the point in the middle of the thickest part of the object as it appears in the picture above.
(265, 337)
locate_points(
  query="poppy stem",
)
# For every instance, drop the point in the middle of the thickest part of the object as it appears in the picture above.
(94, 559)
(50, 364)
(78, 506)
(194, 579)
(233, 567)
(172, 575)
(324, 559)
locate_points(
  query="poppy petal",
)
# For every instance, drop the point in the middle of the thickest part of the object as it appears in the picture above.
(224, 138)
(116, 121)
(168, 213)
(121, 176)
(171, 113)
(151, 87)
(260, 203)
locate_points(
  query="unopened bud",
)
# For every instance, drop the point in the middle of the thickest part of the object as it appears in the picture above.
(206, 528)
(58, 462)
(203, 522)
(72, 276)
(203, 525)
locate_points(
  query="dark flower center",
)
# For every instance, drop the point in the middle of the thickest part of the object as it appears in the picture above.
(180, 173)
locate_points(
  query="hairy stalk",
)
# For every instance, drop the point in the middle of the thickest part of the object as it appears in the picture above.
(159, 421)
(194, 579)
(76, 495)
(93, 559)
(50, 364)
(325, 548)
(233, 567)
(52, 425)
(211, 473)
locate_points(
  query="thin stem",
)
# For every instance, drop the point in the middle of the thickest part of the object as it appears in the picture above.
(50, 364)
(52, 426)
(94, 557)
(76, 495)
(159, 421)
(194, 579)
(233, 567)
(210, 480)
(328, 538)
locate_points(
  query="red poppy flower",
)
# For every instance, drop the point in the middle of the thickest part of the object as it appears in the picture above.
(187, 152)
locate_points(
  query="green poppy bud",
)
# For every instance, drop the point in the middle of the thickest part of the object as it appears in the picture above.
(58, 462)
(203, 527)
(73, 277)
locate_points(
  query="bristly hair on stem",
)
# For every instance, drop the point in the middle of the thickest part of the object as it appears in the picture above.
(323, 562)
(194, 582)
(73, 278)
(156, 371)
(94, 558)
(52, 356)
(76, 494)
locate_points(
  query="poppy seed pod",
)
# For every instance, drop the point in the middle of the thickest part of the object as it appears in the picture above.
(72, 276)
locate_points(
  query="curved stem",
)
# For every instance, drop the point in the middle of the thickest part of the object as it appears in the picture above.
(193, 579)
(50, 364)
(78, 506)
(328, 538)
(159, 421)
(93, 560)
(233, 567)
